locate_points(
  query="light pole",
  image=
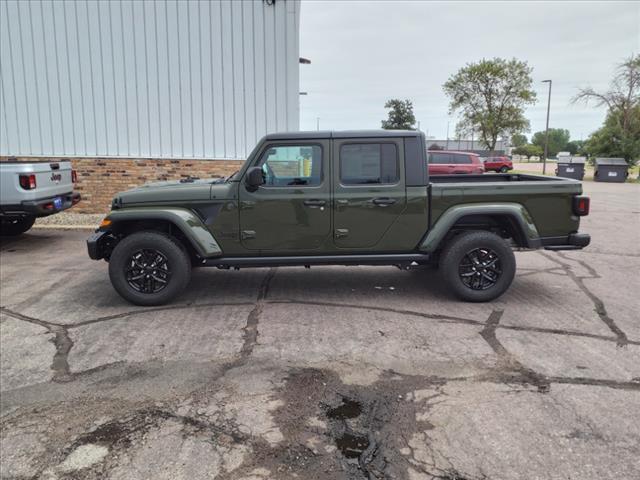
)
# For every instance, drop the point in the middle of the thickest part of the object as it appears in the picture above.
(546, 134)
(447, 136)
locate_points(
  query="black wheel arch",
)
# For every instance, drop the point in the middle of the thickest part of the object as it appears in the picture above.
(503, 224)
(123, 228)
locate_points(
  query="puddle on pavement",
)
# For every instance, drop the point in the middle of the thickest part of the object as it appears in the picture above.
(352, 445)
(348, 409)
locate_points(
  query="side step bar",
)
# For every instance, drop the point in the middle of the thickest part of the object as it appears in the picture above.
(291, 261)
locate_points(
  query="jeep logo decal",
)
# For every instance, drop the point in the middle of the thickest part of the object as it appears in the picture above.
(56, 177)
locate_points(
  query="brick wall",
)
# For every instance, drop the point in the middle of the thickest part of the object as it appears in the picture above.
(99, 179)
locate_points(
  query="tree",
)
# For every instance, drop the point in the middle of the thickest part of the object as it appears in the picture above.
(528, 150)
(518, 139)
(612, 140)
(490, 96)
(401, 115)
(558, 140)
(575, 147)
(435, 146)
(620, 134)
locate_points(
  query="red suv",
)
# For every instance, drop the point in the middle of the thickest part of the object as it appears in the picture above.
(443, 162)
(497, 164)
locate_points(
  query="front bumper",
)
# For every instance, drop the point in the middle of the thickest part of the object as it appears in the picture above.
(43, 206)
(574, 241)
(95, 245)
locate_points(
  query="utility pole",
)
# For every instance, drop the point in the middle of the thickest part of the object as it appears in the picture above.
(317, 123)
(546, 135)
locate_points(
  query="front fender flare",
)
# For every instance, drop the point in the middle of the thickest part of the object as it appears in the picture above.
(184, 219)
(448, 219)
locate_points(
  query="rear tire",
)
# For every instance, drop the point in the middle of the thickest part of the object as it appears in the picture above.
(504, 169)
(149, 268)
(12, 226)
(478, 266)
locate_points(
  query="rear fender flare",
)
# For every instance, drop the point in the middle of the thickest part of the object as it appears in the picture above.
(434, 237)
(184, 219)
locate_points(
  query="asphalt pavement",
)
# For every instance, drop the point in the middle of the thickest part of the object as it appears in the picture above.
(327, 373)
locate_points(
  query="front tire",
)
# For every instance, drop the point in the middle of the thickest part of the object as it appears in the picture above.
(504, 169)
(149, 268)
(12, 226)
(478, 266)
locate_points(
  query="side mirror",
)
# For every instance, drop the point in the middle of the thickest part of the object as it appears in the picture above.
(254, 178)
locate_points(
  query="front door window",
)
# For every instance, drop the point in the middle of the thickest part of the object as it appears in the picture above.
(291, 165)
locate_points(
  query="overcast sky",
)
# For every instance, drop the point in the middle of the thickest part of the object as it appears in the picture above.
(364, 52)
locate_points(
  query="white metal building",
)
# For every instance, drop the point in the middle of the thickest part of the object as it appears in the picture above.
(134, 78)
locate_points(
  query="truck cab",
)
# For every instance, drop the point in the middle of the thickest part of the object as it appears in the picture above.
(353, 197)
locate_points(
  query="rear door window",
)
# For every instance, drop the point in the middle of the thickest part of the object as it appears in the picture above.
(439, 158)
(461, 158)
(369, 163)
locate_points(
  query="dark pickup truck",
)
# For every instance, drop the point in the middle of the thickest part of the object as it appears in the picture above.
(343, 198)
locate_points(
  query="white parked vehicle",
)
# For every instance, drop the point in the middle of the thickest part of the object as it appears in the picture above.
(33, 189)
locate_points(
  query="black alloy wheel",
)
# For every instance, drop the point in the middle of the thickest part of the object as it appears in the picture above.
(480, 269)
(147, 271)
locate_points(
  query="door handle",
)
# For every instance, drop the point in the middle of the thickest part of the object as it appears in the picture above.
(383, 201)
(315, 203)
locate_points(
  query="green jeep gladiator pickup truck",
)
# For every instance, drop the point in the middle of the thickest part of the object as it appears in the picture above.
(342, 198)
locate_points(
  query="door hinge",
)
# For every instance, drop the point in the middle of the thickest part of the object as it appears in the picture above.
(341, 232)
(248, 234)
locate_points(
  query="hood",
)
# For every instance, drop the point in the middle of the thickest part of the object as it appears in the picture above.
(171, 191)
(180, 183)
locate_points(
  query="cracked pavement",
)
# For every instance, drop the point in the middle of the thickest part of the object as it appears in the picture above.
(327, 373)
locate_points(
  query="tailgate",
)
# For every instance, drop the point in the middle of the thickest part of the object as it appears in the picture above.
(52, 179)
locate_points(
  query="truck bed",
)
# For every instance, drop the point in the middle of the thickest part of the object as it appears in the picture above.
(495, 178)
(539, 194)
(53, 189)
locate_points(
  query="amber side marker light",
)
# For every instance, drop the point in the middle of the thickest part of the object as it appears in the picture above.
(105, 223)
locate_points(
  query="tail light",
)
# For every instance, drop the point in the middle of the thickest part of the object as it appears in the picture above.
(74, 176)
(581, 205)
(28, 182)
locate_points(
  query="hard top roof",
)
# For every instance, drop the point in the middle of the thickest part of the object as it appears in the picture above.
(342, 134)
